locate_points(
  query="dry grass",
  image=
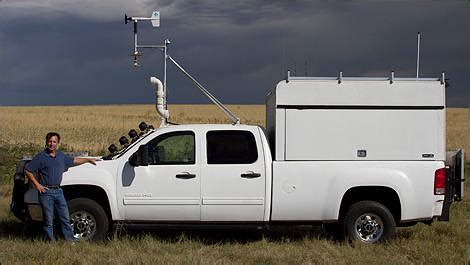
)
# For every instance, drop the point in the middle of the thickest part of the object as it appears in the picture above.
(458, 129)
(93, 128)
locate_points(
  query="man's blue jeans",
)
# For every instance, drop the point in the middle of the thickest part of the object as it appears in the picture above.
(53, 199)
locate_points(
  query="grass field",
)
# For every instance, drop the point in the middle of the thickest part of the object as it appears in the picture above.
(93, 128)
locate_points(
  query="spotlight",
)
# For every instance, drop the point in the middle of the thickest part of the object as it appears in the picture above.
(123, 140)
(143, 126)
(112, 148)
(132, 133)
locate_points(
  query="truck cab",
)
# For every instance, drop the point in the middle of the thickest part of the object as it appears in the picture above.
(195, 173)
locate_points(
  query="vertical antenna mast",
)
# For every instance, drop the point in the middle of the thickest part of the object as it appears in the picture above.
(417, 58)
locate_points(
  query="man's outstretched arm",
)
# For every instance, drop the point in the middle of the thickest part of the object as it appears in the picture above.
(80, 160)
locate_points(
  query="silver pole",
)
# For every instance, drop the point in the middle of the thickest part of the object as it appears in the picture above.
(417, 59)
(231, 115)
(164, 72)
(135, 38)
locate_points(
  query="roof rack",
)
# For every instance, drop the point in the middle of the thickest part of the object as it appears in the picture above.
(340, 78)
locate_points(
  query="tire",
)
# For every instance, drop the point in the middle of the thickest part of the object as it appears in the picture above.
(369, 222)
(88, 219)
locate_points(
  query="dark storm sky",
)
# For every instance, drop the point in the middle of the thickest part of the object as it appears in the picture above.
(65, 53)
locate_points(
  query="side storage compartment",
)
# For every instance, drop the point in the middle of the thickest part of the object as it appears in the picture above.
(364, 134)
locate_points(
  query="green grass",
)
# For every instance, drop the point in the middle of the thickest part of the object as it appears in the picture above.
(439, 243)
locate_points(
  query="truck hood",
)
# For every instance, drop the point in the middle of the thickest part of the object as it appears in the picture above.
(103, 172)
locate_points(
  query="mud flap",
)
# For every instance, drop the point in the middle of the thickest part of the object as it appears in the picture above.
(20, 186)
(454, 182)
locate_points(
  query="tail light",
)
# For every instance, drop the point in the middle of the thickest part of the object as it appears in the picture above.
(440, 181)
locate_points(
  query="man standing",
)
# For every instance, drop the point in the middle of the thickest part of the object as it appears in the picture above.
(49, 165)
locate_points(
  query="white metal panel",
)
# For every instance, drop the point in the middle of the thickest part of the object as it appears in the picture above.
(102, 175)
(325, 134)
(232, 212)
(360, 93)
(268, 160)
(314, 190)
(280, 135)
(154, 192)
(233, 201)
(226, 196)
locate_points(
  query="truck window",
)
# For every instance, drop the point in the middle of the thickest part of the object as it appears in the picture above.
(175, 148)
(231, 147)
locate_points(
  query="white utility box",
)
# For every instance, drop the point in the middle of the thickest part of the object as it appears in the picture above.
(356, 119)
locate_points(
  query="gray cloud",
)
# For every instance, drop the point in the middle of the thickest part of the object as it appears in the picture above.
(239, 51)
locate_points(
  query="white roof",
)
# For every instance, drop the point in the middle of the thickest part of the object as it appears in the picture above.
(360, 92)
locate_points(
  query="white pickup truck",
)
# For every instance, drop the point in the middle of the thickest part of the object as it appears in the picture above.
(359, 155)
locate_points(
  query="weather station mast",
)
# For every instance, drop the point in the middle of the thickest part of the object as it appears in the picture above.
(161, 88)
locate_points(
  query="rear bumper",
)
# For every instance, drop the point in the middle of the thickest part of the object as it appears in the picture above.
(437, 208)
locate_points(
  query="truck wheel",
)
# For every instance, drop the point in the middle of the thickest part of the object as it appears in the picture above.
(88, 219)
(369, 222)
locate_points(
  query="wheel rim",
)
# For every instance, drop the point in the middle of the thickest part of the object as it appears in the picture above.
(369, 228)
(83, 225)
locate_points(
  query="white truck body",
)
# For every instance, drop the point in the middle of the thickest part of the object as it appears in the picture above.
(328, 145)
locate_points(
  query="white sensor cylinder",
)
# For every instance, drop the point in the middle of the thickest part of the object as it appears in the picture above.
(160, 97)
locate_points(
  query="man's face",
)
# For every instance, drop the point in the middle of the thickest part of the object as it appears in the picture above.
(52, 143)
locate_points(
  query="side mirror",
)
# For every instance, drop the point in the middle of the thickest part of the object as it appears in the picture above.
(141, 157)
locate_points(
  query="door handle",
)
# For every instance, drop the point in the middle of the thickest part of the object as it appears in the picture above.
(185, 175)
(250, 175)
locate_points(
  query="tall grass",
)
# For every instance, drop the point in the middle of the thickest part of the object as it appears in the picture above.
(458, 129)
(93, 128)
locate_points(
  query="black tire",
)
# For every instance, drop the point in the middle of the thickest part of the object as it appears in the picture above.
(89, 220)
(369, 222)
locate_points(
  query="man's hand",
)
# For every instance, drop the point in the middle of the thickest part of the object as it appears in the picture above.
(93, 161)
(40, 188)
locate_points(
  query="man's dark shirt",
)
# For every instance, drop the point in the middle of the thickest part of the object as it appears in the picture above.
(49, 168)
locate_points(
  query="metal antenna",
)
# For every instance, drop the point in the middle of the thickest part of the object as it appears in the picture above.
(417, 57)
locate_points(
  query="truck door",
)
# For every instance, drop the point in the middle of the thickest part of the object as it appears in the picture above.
(233, 177)
(169, 187)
